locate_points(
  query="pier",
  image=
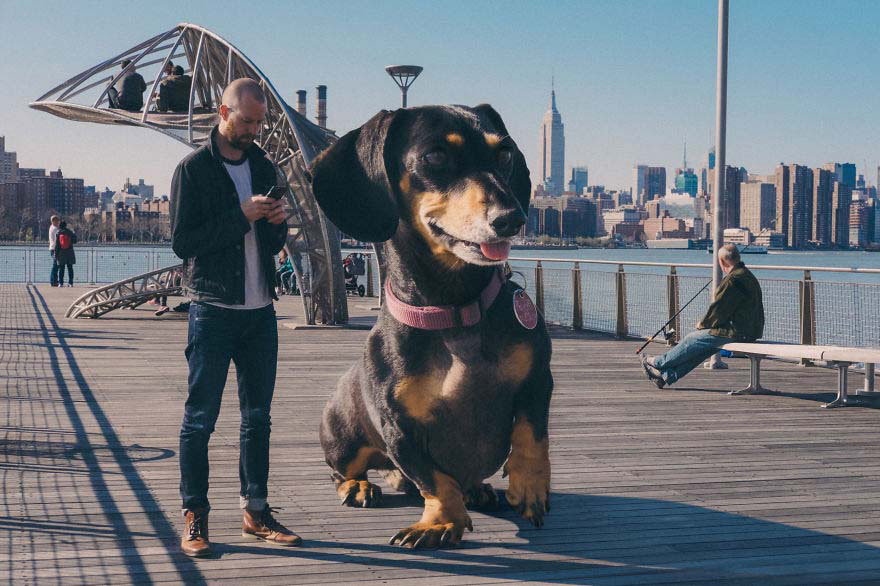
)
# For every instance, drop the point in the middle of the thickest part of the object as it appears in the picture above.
(681, 485)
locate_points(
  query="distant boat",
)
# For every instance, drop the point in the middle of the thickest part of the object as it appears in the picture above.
(745, 248)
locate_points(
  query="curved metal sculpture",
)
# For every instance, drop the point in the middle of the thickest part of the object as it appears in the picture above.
(290, 140)
(127, 294)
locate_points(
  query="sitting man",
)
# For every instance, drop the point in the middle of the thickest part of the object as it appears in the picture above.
(130, 90)
(174, 92)
(736, 315)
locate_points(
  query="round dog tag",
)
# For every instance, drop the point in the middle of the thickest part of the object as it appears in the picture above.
(524, 310)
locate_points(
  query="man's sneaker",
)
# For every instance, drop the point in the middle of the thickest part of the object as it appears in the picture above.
(653, 374)
(194, 542)
(262, 525)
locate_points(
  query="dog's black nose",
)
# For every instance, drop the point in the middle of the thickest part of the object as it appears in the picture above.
(508, 223)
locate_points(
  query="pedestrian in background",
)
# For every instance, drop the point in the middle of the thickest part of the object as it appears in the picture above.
(65, 257)
(53, 230)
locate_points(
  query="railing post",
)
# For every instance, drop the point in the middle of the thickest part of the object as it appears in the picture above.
(29, 274)
(620, 289)
(808, 312)
(672, 296)
(577, 318)
(370, 291)
(94, 258)
(539, 287)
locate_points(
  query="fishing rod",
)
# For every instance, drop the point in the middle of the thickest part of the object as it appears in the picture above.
(662, 329)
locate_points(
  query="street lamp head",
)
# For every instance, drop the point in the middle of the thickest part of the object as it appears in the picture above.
(404, 75)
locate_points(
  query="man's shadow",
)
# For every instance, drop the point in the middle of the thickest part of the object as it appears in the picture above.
(597, 539)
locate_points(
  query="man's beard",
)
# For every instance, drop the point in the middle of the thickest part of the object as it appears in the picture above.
(243, 142)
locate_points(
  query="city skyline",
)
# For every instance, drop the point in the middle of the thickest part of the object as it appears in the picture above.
(625, 103)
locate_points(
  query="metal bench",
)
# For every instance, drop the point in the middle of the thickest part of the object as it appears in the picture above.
(842, 358)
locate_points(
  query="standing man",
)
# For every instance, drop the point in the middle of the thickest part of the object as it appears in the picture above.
(736, 315)
(227, 234)
(53, 229)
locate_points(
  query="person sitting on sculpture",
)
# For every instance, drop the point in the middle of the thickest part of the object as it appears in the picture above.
(128, 93)
(174, 92)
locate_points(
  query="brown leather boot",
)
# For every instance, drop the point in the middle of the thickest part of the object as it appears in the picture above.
(262, 525)
(194, 542)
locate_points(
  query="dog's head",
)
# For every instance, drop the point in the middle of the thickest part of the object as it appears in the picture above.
(450, 173)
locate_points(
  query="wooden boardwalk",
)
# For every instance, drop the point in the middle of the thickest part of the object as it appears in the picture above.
(676, 486)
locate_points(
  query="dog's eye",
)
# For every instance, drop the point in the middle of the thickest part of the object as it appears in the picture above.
(436, 158)
(505, 157)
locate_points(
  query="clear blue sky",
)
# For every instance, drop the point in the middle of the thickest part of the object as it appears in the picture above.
(633, 78)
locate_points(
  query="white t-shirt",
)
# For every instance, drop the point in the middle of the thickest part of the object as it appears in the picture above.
(256, 292)
(53, 230)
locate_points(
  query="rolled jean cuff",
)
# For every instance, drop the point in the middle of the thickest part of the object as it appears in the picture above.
(251, 503)
(184, 510)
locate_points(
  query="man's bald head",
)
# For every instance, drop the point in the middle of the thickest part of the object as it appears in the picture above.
(241, 89)
(242, 112)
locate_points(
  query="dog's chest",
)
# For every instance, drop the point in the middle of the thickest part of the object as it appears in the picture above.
(461, 380)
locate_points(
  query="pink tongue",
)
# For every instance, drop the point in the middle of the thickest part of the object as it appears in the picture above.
(495, 250)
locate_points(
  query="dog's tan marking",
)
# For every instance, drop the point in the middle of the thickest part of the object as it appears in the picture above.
(436, 202)
(529, 468)
(444, 518)
(364, 460)
(515, 363)
(404, 183)
(492, 139)
(420, 393)
(455, 138)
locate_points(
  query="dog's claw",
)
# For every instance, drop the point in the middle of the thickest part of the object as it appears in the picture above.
(359, 493)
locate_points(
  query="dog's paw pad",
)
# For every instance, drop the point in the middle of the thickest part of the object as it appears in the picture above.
(359, 493)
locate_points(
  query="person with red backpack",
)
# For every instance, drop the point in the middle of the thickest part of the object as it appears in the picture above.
(64, 254)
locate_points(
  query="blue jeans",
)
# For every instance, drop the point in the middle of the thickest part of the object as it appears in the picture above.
(688, 354)
(249, 338)
(53, 274)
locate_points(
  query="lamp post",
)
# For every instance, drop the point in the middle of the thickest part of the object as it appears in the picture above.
(720, 155)
(403, 76)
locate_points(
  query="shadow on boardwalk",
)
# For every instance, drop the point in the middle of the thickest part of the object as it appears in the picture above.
(680, 486)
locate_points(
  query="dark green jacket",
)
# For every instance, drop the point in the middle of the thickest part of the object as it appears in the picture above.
(738, 310)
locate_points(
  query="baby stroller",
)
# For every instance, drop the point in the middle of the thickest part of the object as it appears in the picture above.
(353, 266)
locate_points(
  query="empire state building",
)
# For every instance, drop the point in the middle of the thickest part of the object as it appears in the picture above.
(551, 149)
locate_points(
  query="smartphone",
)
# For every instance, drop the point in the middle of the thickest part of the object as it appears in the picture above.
(277, 192)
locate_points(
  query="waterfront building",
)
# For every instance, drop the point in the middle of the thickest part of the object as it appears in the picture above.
(8, 164)
(794, 203)
(822, 216)
(566, 216)
(578, 182)
(627, 215)
(741, 236)
(666, 227)
(771, 240)
(730, 206)
(757, 205)
(841, 199)
(859, 223)
(551, 150)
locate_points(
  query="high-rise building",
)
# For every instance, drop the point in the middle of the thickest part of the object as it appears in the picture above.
(859, 219)
(655, 183)
(706, 175)
(551, 149)
(821, 217)
(783, 199)
(757, 206)
(841, 199)
(730, 205)
(8, 164)
(800, 210)
(578, 182)
(638, 184)
(845, 173)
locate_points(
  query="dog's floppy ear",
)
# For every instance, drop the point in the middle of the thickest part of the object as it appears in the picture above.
(519, 177)
(350, 181)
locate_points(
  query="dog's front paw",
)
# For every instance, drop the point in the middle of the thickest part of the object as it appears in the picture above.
(433, 533)
(481, 498)
(359, 493)
(529, 494)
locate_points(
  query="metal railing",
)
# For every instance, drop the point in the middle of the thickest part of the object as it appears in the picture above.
(94, 265)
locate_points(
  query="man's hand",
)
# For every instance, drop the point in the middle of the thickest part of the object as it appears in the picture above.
(276, 214)
(256, 207)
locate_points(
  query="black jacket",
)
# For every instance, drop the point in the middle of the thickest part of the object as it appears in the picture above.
(62, 256)
(738, 309)
(208, 226)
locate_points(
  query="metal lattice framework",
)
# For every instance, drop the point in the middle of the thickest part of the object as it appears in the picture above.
(127, 294)
(291, 141)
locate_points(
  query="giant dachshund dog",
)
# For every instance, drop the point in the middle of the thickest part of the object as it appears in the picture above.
(439, 406)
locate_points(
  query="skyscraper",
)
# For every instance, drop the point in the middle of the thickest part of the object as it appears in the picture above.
(800, 210)
(730, 206)
(757, 205)
(579, 180)
(841, 199)
(638, 184)
(685, 179)
(822, 218)
(783, 200)
(845, 173)
(551, 149)
(655, 183)
(8, 164)
(706, 175)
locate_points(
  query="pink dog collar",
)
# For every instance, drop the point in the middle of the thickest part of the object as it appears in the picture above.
(433, 317)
